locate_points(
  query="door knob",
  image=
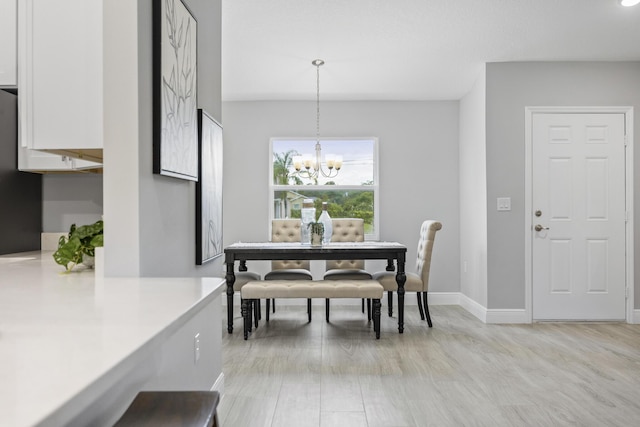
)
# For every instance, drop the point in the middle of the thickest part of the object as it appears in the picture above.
(538, 227)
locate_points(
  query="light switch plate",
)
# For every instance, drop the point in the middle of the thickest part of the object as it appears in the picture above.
(504, 203)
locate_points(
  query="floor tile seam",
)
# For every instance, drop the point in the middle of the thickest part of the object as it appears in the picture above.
(278, 403)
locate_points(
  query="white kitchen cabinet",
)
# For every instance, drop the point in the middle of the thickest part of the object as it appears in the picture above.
(60, 78)
(8, 43)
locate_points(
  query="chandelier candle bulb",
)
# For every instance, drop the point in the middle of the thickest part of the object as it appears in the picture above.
(307, 162)
(330, 161)
(338, 162)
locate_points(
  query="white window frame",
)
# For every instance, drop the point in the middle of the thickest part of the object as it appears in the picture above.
(301, 188)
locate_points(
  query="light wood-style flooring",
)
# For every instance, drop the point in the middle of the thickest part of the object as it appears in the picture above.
(459, 373)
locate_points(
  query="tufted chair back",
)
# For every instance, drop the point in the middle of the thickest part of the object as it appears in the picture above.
(347, 230)
(425, 248)
(287, 230)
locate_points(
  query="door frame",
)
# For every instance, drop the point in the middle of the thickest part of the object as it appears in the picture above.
(528, 195)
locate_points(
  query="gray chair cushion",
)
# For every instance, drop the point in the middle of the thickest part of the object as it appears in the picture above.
(289, 274)
(347, 274)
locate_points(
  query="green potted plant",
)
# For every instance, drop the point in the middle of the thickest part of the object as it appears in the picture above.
(79, 245)
(317, 231)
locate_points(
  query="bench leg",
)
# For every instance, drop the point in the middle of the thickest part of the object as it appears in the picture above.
(376, 317)
(369, 309)
(309, 308)
(390, 302)
(327, 308)
(267, 308)
(245, 317)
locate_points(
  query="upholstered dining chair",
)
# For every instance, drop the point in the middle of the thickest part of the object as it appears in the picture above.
(287, 230)
(419, 281)
(347, 230)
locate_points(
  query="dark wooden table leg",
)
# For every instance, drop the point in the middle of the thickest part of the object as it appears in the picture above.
(231, 279)
(246, 307)
(401, 278)
(376, 317)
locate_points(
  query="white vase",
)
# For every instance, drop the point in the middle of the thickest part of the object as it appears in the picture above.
(88, 260)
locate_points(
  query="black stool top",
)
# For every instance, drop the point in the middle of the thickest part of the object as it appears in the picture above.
(172, 408)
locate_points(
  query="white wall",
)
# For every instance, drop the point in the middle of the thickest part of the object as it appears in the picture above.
(418, 150)
(473, 193)
(510, 88)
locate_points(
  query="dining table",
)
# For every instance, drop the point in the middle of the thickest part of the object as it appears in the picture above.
(395, 253)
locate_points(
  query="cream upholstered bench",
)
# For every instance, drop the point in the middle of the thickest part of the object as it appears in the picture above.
(253, 291)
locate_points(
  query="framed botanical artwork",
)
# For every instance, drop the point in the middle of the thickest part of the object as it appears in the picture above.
(209, 190)
(175, 76)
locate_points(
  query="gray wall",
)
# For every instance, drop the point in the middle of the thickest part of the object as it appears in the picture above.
(418, 152)
(70, 199)
(167, 205)
(511, 87)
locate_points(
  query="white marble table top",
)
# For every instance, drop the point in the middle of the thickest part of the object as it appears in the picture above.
(61, 332)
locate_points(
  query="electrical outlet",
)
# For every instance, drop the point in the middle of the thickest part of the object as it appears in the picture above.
(196, 348)
(504, 203)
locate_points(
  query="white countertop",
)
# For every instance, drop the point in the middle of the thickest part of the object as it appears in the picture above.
(62, 332)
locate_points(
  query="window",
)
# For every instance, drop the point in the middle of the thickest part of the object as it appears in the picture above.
(352, 193)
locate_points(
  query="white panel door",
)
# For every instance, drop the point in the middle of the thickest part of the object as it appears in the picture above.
(578, 253)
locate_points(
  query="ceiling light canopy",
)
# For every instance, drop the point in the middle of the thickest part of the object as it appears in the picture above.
(629, 3)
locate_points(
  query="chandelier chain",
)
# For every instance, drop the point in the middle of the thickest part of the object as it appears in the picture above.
(318, 102)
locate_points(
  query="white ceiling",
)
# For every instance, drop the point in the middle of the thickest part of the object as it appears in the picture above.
(407, 49)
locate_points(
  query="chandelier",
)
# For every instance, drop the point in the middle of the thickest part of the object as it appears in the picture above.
(307, 166)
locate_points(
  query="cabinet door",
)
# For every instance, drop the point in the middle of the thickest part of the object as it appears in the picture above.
(60, 74)
(8, 43)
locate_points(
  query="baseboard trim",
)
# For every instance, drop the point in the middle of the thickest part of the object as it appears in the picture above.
(219, 385)
(485, 315)
(473, 307)
(507, 316)
(443, 298)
